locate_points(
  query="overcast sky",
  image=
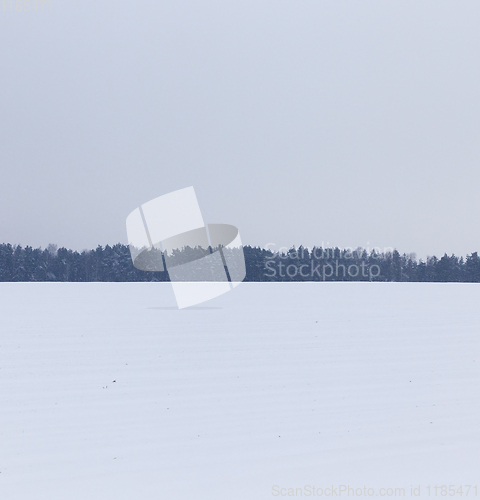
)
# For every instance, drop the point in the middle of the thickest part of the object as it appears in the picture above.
(349, 123)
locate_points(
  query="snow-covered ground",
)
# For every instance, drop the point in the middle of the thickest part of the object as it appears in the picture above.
(107, 391)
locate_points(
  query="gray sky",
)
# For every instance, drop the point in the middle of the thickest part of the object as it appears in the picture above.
(352, 123)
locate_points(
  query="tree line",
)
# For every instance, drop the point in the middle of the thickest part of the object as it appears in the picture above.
(113, 263)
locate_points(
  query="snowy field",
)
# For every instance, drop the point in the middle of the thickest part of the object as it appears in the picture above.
(107, 391)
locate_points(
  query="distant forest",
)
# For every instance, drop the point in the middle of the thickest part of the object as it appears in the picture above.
(113, 263)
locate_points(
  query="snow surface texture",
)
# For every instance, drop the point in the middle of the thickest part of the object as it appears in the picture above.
(107, 391)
